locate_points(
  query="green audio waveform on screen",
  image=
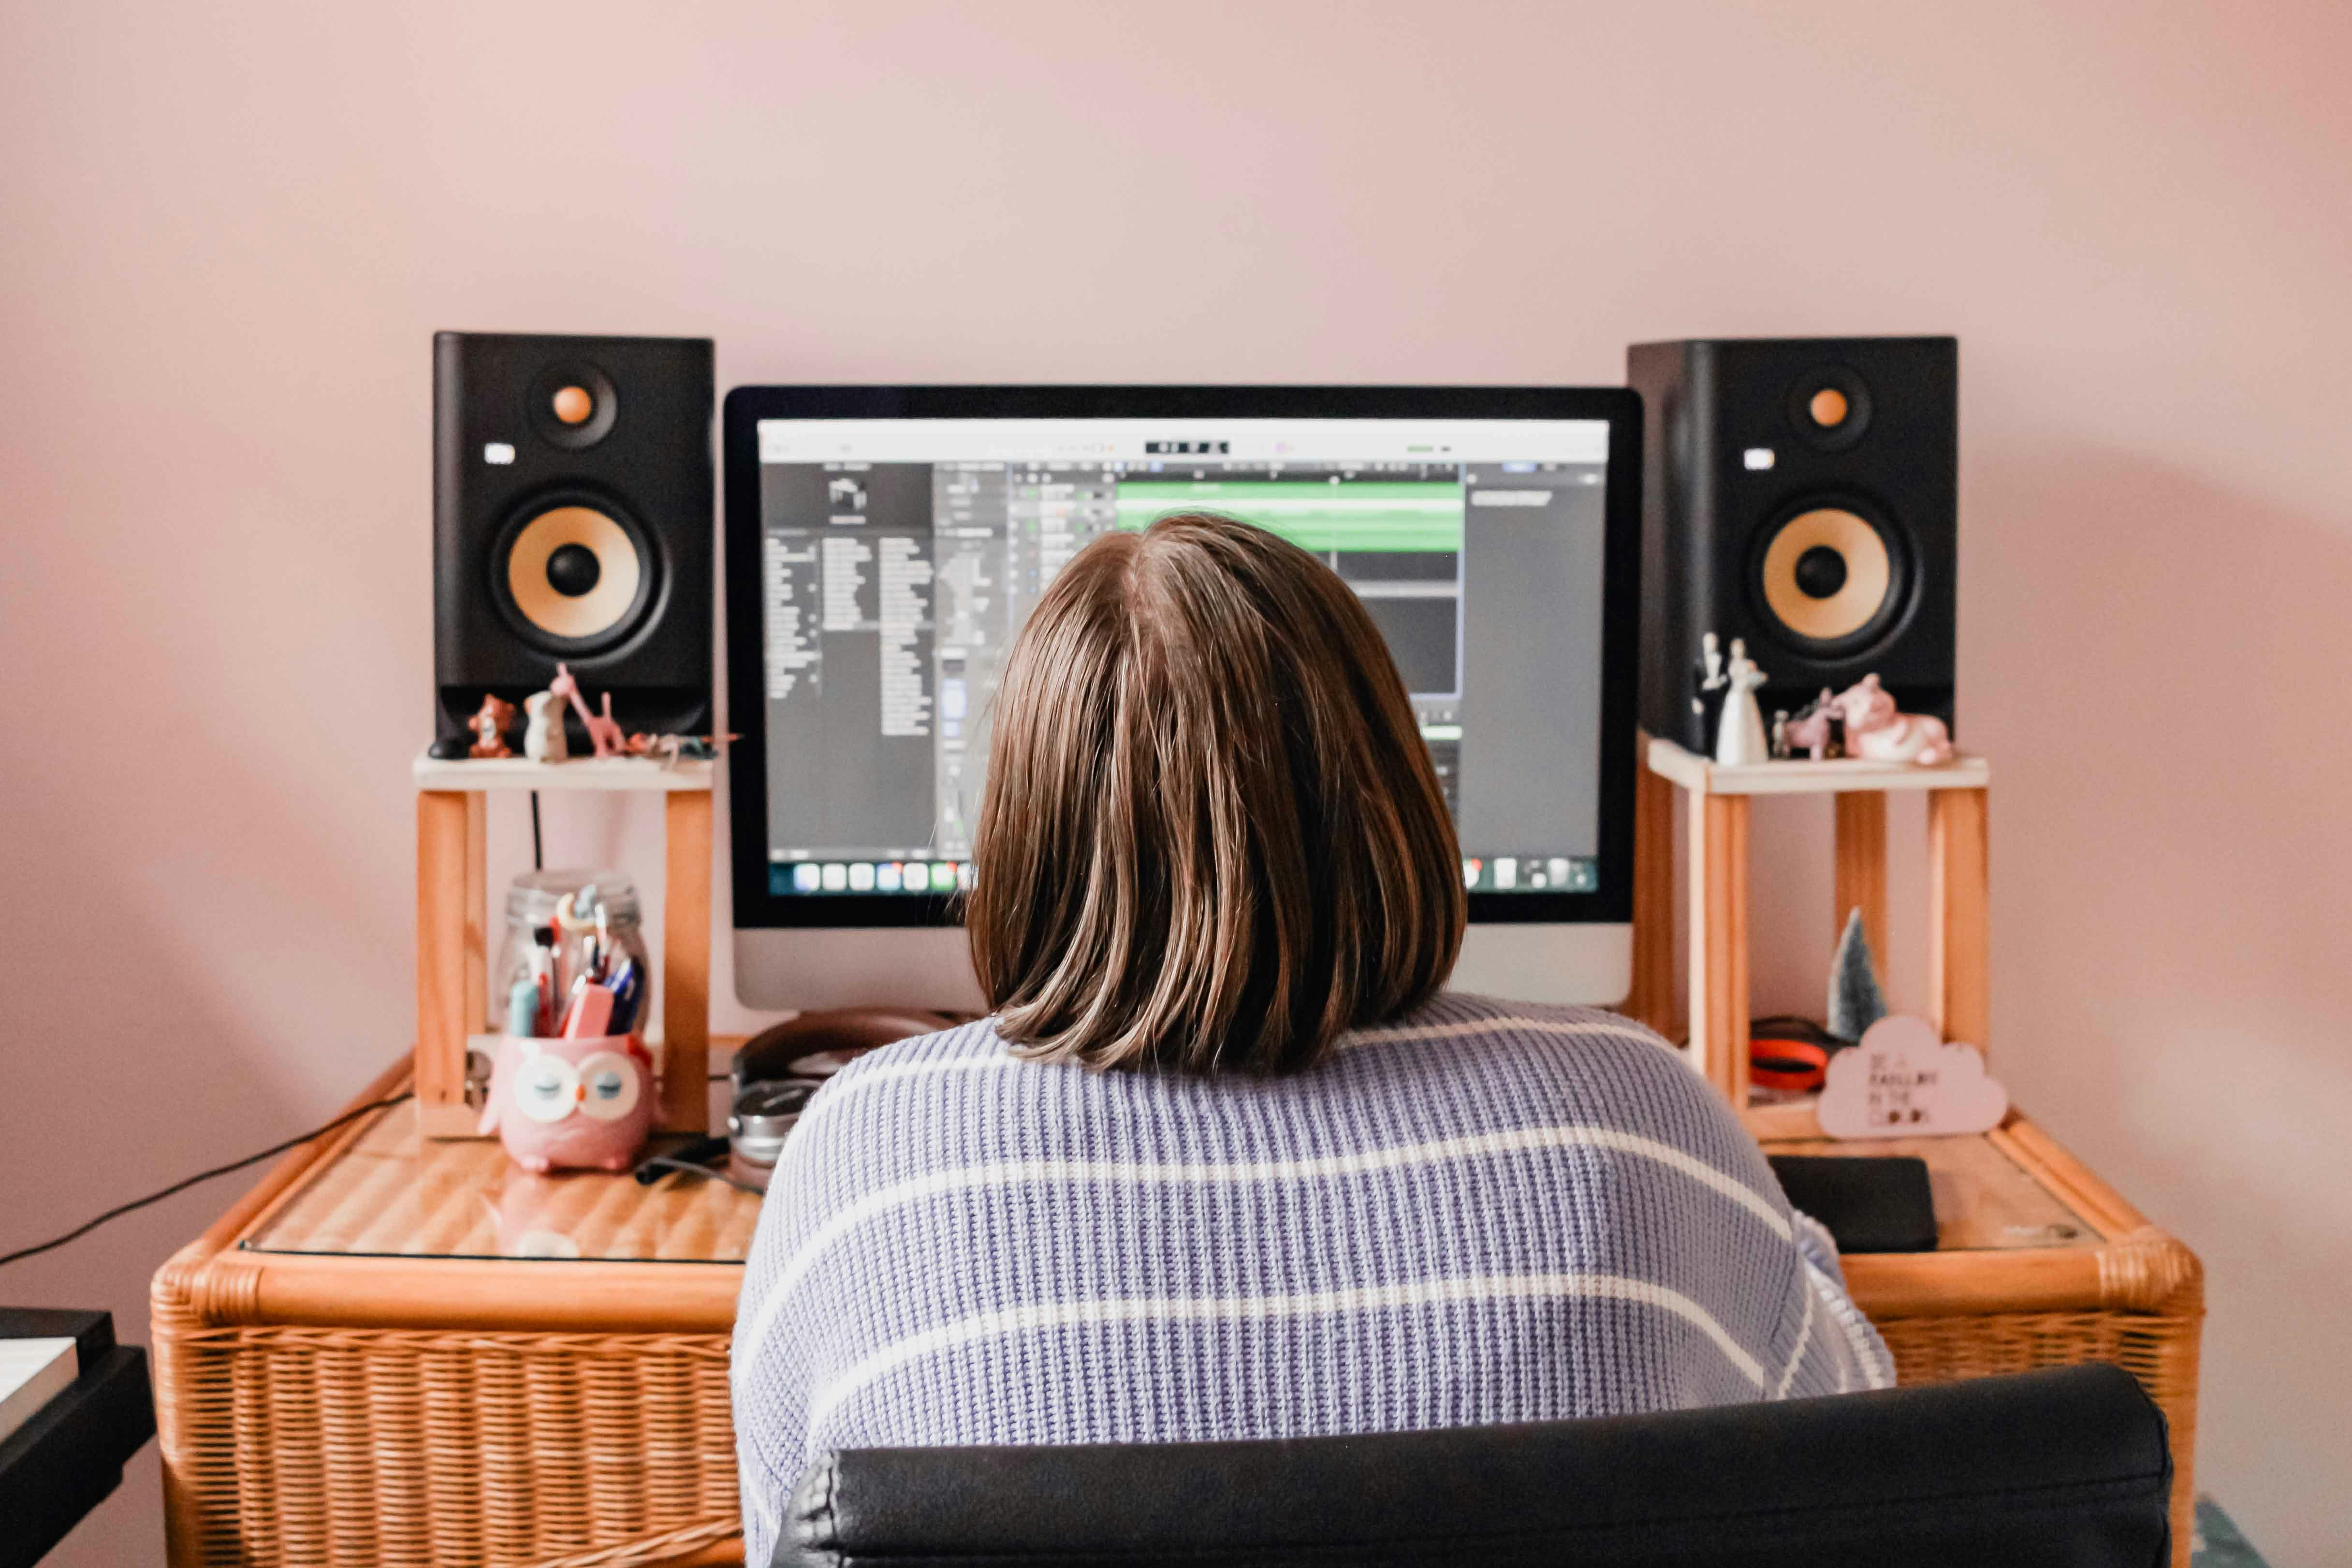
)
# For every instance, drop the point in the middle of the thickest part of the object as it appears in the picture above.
(1317, 515)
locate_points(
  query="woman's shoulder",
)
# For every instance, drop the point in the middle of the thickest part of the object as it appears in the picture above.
(899, 1109)
(977, 1037)
(1599, 1035)
(877, 1081)
(1585, 1062)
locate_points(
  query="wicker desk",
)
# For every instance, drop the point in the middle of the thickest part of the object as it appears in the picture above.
(402, 1351)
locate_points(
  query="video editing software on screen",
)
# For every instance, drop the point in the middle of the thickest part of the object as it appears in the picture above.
(900, 557)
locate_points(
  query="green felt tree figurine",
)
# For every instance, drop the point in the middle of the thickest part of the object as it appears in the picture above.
(1855, 1001)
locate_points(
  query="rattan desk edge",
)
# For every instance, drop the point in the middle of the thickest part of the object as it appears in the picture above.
(210, 1294)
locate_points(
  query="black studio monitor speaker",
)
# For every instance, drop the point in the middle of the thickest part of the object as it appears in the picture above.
(572, 524)
(1801, 494)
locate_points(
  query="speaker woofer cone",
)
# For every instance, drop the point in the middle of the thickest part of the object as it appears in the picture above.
(573, 573)
(1830, 578)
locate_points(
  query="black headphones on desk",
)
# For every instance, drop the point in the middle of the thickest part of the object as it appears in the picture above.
(774, 1074)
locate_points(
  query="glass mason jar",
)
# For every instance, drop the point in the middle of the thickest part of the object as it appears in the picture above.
(565, 932)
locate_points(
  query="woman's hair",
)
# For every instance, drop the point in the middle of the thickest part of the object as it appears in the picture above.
(1212, 836)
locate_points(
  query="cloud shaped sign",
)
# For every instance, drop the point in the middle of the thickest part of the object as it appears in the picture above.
(1903, 1081)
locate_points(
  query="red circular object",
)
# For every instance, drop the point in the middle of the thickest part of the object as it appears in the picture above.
(1795, 1065)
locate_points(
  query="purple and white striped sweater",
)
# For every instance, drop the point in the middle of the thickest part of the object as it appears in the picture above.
(1490, 1212)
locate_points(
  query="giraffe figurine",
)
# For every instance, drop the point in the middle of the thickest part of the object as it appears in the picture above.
(603, 733)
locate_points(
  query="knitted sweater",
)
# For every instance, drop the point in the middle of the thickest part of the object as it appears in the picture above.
(1489, 1212)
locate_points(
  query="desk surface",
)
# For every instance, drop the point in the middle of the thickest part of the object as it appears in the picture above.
(390, 1194)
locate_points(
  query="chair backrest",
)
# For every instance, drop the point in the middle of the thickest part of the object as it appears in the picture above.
(2064, 1469)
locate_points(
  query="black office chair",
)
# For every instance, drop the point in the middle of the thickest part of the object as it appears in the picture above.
(2048, 1469)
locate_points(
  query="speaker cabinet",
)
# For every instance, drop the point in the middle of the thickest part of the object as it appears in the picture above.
(1799, 494)
(572, 524)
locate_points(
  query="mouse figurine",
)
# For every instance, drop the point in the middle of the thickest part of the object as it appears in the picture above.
(542, 738)
(489, 728)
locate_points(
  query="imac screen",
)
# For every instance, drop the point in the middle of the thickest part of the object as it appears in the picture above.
(900, 557)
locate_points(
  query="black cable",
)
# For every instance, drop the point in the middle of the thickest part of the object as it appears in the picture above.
(180, 1186)
(537, 856)
(183, 1186)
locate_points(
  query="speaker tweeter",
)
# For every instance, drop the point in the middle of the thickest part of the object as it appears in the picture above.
(573, 405)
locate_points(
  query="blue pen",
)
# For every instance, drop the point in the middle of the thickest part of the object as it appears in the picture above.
(626, 994)
(522, 1008)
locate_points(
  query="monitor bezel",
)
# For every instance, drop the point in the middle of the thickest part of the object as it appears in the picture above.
(757, 907)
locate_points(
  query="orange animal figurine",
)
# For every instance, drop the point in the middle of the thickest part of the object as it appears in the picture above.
(489, 728)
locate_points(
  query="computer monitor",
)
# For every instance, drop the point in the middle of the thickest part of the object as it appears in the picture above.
(884, 544)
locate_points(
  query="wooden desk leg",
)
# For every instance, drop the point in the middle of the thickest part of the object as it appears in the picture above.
(1652, 1000)
(1961, 938)
(1861, 867)
(452, 964)
(685, 966)
(1718, 958)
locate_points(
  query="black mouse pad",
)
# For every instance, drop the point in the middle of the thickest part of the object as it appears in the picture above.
(1870, 1202)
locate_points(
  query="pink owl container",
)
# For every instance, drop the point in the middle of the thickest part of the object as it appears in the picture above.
(579, 1104)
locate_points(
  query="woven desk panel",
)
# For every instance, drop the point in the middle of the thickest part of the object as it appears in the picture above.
(370, 1447)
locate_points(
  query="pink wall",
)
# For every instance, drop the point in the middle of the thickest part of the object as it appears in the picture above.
(228, 236)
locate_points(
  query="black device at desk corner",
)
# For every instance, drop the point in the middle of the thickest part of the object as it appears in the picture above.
(1867, 1202)
(67, 1456)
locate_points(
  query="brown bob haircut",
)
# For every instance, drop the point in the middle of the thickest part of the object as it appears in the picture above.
(1212, 837)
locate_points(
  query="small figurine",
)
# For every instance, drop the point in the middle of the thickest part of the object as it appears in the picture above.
(1874, 730)
(1779, 734)
(1711, 686)
(1856, 1000)
(603, 734)
(489, 727)
(671, 749)
(542, 737)
(1739, 733)
(1814, 728)
(575, 1104)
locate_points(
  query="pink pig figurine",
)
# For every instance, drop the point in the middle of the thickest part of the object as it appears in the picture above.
(1876, 732)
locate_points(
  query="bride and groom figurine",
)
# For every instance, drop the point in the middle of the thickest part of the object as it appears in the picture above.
(1873, 730)
(1739, 725)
